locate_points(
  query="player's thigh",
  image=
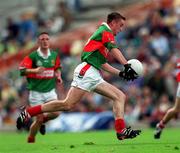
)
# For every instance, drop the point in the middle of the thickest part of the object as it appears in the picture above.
(74, 95)
(109, 91)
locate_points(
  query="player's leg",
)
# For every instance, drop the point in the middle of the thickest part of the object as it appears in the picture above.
(38, 125)
(172, 112)
(35, 126)
(74, 95)
(47, 97)
(168, 116)
(118, 98)
(46, 118)
(35, 98)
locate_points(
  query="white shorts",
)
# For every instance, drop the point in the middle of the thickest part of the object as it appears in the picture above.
(178, 91)
(37, 98)
(89, 81)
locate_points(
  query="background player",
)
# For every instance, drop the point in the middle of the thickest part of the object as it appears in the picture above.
(172, 112)
(42, 70)
(87, 77)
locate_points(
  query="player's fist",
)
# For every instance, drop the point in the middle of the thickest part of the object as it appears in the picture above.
(60, 80)
(58, 77)
(40, 69)
(128, 73)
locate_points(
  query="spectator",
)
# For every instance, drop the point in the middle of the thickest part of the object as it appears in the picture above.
(66, 14)
(12, 29)
(160, 46)
(28, 28)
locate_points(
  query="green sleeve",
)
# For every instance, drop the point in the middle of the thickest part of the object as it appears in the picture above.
(110, 46)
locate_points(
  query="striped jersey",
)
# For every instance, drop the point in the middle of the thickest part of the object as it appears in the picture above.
(100, 43)
(45, 81)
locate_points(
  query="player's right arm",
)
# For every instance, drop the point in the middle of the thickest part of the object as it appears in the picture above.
(109, 42)
(128, 73)
(26, 67)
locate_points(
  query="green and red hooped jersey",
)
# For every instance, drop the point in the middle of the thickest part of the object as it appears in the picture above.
(43, 82)
(100, 43)
(178, 70)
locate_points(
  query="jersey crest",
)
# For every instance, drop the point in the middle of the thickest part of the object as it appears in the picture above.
(52, 62)
(39, 63)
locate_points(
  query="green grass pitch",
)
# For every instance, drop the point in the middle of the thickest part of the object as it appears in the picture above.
(91, 142)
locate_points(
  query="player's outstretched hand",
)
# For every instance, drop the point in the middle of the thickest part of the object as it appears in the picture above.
(128, 73)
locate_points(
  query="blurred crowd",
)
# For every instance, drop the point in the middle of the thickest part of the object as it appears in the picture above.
(155, 42)
(19, 33)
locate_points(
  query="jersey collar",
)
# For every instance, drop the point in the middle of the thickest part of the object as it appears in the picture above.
(40, 53)
(104, 23)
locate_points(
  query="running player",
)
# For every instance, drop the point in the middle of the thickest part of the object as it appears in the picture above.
(42, 70)
(172, 112)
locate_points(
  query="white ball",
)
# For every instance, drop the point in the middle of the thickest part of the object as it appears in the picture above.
(137, 66)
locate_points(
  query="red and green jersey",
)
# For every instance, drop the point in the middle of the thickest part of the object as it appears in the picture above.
(42, 82)
(100, 43)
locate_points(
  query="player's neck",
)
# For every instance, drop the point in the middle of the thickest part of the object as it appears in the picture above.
(44, 51)
(111, 27)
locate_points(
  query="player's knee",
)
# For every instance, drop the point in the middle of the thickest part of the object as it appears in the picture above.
(120, 96)
(123, 97)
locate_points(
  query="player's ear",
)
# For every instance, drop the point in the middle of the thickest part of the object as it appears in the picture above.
(113, 22)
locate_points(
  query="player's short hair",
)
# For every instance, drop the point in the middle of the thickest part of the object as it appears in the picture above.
(114, 16)
(46, 33)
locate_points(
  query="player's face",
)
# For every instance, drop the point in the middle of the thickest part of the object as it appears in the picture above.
(118, 26)
(44, 41)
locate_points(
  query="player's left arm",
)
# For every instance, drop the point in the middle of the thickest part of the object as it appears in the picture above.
(57, 71)
(109, 42)
(58, 76)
